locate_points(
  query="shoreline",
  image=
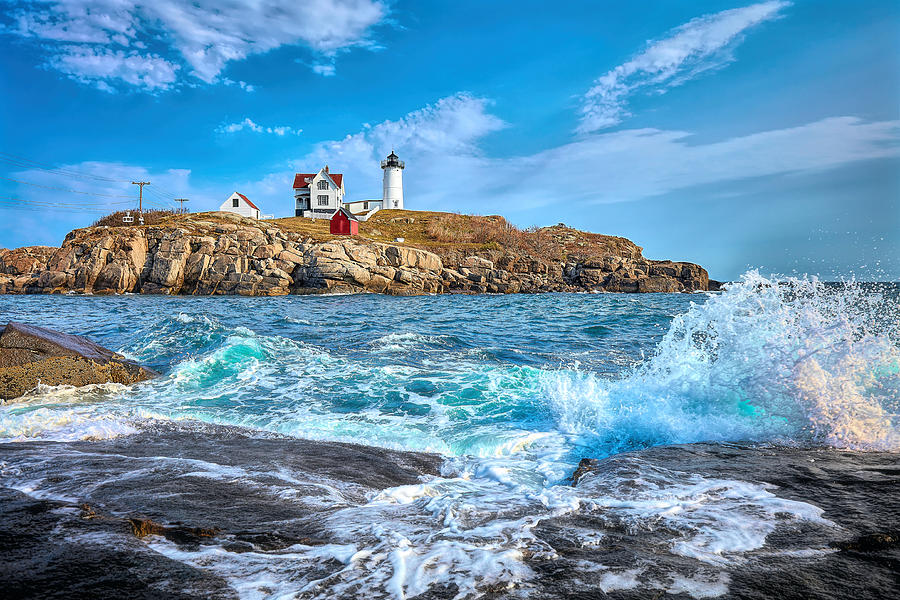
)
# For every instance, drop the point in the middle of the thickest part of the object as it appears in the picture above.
(209, 254)
(213, 518)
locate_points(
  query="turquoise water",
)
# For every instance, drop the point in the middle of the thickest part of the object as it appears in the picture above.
(569, 375)
(513, 391)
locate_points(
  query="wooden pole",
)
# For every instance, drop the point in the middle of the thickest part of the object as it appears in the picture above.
(140, 194)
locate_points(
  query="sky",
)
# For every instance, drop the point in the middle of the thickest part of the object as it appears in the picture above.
(736, 135)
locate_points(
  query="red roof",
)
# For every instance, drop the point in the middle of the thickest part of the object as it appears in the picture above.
(300, 179)
(247, 200)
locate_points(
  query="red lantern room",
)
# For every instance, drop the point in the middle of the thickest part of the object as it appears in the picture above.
(344, 223)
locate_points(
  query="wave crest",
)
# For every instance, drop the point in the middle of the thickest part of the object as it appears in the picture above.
(787, 360)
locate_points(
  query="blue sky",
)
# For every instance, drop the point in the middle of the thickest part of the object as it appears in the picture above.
(733, 134)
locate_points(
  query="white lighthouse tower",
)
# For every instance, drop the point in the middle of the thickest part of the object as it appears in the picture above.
(392, 196)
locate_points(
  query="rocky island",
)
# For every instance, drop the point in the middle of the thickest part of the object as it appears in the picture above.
(396, 252)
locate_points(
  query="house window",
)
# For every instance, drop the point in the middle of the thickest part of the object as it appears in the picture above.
(323, 185)
(235, 203)
(323, 200)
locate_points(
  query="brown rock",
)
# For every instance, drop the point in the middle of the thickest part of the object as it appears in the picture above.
(23, 261)
(659, 284)
(30, 355)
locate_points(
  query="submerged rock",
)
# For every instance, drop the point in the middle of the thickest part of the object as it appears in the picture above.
(30, 355)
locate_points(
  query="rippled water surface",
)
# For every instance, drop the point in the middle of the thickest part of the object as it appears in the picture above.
(513, 391)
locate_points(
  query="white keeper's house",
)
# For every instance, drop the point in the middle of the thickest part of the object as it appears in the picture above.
(318, 195)
(240, 204)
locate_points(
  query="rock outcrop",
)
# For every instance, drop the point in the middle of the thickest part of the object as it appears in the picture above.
(31, 355)
(225, 254)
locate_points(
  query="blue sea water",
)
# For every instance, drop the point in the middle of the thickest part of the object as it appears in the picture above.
(514, 390)
(590, 374)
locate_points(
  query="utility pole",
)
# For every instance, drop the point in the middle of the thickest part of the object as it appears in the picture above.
(181, 202)
(140, 194)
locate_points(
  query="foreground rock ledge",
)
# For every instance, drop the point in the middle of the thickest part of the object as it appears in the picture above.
(221, 253)
(30, 355)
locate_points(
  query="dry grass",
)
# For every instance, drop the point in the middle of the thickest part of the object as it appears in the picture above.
(492, 232)
(438, 232)
(151, 217)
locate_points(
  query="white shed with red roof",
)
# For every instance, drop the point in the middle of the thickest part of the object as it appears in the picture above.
(240, 204)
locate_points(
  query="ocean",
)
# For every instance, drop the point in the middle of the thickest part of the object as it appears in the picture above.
(738, 440)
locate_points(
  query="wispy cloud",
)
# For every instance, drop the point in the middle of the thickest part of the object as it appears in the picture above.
(104, 68)
(447, 169)
(699, 46)
(250, 125)
(241, 84)
(449, 127)
(324, 69)
(206, 34)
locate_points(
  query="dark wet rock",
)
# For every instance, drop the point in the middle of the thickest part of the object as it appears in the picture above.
(30, 355)
(857, 491)
(49, 551)
(194, 495)
(197, 485)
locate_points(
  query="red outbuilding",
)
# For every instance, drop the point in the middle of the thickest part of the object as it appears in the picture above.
(344, 223)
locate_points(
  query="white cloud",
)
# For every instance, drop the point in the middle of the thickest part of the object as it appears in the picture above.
(241, 84)
(324, 69)
(250, 125)
(450, 126)
(208, 34)
(448, 170)
(700, 45)
(91, 64)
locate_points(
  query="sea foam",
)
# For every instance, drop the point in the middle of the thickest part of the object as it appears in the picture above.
(781, 360)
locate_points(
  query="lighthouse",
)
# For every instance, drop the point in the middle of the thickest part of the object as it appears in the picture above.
(392, 196)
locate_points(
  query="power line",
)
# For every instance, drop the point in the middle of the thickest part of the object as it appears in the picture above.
(54, 203)
(43, 206)
(159, 196)
(49, 187)
(33, 164)
(164, 191)
(5, 157)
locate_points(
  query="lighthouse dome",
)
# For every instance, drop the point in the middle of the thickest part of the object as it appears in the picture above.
(392, 160)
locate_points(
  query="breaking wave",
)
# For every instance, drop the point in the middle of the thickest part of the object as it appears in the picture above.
(781, 360)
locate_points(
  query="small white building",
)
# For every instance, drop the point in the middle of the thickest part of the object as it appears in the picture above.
(392, 191)
(362, 206)
(318, 195)
(239, 204)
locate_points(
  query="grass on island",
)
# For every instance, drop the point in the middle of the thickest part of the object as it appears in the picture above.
(428, 230)
(153, 216)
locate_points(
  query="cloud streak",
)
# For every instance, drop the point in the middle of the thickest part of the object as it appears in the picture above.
(103, 68)
(249, 125)
(205, 34)
(701, 45)
(448, 170)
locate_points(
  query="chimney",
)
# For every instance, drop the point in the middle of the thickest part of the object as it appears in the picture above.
(326, 168)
